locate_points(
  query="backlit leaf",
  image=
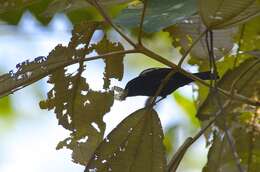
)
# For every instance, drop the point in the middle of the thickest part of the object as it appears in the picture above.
(77, 107)
(218, 14)
(114, 65)
(248, 85)
(28, 71)
(134, 145)
(189, 30)
(159, 14)
(246, 139)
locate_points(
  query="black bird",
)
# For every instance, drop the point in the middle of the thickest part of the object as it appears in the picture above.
(147, 83)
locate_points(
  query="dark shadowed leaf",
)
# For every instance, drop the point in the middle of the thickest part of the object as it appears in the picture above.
(159, 14)
(186, 32)
(219, 14)
(12, 10)
(134, 145)
(114, 65)
(66, 6)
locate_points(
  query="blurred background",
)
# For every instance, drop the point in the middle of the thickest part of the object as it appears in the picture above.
(29, 135)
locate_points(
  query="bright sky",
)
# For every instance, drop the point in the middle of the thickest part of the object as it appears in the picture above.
(29, 142)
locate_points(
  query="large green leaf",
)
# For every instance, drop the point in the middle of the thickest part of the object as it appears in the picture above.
(159, 14)
(218, 14)
(185, 33)
(134, 145)
(68, 5)
(251, 34)
(247, 85)
(246, 144)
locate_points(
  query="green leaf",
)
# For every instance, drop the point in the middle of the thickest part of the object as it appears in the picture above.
(188, 106)
(246, 139)
(219, 14)
(66, 6)
(134, 145)
(185, 33)
(159, 14)
(250, 39)
(114, 64)
(5, 107)
(248, 85)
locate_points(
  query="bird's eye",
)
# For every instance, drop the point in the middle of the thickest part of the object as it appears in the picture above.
(119, 93)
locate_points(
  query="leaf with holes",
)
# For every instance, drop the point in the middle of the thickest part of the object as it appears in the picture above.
(28, 72)
(159, 14)
(77, 107)
(219, 14)
(189, 30)
(134, 145)
(114, 64)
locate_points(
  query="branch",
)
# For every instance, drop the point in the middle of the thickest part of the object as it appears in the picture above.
(96, 4)
(52, 67)
(141, 23)
(176, 159)
(166, 62)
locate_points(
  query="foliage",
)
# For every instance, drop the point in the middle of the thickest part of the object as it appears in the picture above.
(221, 36)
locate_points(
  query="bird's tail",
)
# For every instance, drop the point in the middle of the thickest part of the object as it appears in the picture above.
(207, 75)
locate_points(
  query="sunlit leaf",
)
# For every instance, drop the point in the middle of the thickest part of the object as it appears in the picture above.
(251, 34)
(246, 139)
(189, 30)
(218, 14)
(114, 65)
(248, 85)
(5, 107)
(159, 14)
(170, 139)
(134, 145)
(188, 106)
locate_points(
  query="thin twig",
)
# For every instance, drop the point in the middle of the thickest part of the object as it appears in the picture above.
(176, 159)
(219, 103)
(58, 65)
(158, 58)
(142, 22)
(96, 4)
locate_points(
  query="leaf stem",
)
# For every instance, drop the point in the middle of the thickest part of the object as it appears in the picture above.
(96, 4)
